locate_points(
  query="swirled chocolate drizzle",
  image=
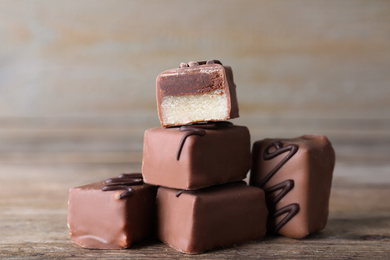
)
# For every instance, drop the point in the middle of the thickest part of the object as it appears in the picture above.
(198, 129)
(123, 182)
(285, 186)
(291, 210)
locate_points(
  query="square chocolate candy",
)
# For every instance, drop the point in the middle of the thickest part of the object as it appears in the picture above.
(219, 216)
(196, 156)
(111, 214)
(296, 175)
(196, 92)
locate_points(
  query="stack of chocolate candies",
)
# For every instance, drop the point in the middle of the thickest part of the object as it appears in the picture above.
(199, 160)
(191, 192)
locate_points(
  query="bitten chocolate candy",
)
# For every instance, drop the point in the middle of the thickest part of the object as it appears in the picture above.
(219, 216)
(296, 175)
(196, 92)
(111, 214)
(196, 156)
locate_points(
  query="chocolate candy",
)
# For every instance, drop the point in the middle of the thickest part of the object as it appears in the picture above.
(196, 92)
(296, 175)
(111, 214)
(219, 216)
(196, 156)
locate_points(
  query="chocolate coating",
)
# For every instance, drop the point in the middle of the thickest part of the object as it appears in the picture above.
(296, 175)
(125, 181)
(198, 129)
(219, 156)
(196, 78)
(191, 79)
(106, 220)
(190, 131)
(285, 186)
(219, 216)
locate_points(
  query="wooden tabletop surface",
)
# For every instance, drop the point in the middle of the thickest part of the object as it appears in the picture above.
(35, 178)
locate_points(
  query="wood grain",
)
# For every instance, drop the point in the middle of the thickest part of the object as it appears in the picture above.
(38, 166)
(33, 201)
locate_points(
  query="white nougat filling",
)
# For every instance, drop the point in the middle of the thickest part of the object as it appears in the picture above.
(194, 108)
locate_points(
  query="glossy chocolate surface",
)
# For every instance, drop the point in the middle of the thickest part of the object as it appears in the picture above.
(111, 219)
(219, 216)
(217, 156)
(284, 187)
(296, 175)
(196, 78)
(125, 181)
(199, 130)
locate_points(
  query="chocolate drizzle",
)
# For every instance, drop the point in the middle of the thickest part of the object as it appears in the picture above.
(198, 129)
(183, 191)
(285, 186)
(123, 182)
(291, 210)
(180, 192)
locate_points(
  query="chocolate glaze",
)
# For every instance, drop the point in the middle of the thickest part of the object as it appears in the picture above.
(219, 216)
(183, 191)
(285, 186)
(180, 192)
(291, 210)
(198, 129)
(310, 168)
(190, 131)
(97, 219)
(292, 149)
(190, 80)
(197, 78)
(222, 155)
(123, 182)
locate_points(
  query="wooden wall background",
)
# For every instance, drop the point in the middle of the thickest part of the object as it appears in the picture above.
(77, 78)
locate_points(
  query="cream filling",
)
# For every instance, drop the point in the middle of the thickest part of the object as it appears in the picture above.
(194, 108)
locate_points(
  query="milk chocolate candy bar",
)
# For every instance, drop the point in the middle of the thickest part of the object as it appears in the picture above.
(219, 216)
(196, 92)
(196, 156)
(111, 214)
(296, 175)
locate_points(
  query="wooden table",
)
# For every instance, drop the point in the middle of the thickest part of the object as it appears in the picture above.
(35, 178)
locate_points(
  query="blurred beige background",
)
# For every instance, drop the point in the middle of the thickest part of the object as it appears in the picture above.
(77, 78)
